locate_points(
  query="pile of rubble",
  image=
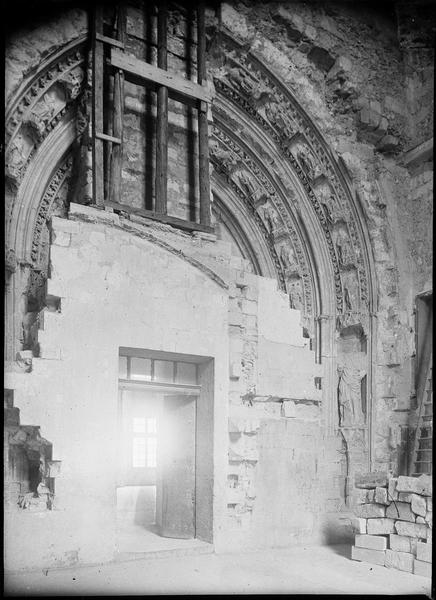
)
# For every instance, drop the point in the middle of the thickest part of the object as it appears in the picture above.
(394, 522)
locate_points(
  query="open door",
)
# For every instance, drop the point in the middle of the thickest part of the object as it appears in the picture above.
(175, 493)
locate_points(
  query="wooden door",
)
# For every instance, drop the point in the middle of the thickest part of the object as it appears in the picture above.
(175, 493)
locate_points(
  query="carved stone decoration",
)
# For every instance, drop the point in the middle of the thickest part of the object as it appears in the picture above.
(273, 113)
(287, 108)
(344, 249)
(288, 258)
(295, 290)
(232, 153)
(17, 156)
(10, 260)
(307, 160)
(32, 115)
(329, 205)
(72, 82)
(350, 374)
(52, 198)
(270, 218)
(43, 112)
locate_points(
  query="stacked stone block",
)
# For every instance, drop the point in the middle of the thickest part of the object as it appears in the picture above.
(394, 522)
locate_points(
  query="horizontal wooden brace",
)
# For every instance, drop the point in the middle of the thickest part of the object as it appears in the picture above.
(149, 214)
(108, 138)
(108, 40)
(143, 71)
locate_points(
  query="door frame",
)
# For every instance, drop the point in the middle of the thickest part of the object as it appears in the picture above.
(204, 426)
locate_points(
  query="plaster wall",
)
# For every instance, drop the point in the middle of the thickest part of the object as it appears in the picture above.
(118, 289)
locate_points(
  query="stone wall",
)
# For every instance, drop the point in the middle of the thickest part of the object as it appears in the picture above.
(123, 282)
(349, 70)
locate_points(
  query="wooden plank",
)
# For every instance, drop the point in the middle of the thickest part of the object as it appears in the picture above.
(420, 153)
(169, 220)
(162, 115)
(146, 72)
(108, 40)
(175, 493)
(118, 111)
(204, 180)
(203, 137)
(97, 109)
(108, 138)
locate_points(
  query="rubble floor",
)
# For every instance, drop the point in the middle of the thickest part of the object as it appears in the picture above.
(298, 570)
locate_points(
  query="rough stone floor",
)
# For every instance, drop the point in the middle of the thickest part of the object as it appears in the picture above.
(316, 570)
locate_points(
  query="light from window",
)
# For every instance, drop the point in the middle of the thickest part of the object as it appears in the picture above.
(139, 424)
(140, 368)
(151, 425)
(138, 452)
(164, 371)
(151, 452)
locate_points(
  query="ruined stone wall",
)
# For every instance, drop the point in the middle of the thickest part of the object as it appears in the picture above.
(346, 67)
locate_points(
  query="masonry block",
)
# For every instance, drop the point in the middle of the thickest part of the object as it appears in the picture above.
(380, 526)
(417, 530)
(400, 510)
(381, 495)
(288, 409)
(369, 511)
(372, 542)
(358, 525)
(61, 238)
(371, 480)
(423, 551)
(405, 496)
(429, 519)
(375, 557)
(401, 543)
(419, 505)
(392, 488)
(419, 485)
(403, 561)
(370, 495)
(422, 568)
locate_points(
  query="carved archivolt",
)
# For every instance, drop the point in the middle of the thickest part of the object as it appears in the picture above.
(252, 88)
(38, 109)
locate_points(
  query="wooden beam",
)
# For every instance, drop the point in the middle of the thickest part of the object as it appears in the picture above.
(162, 115)
(118, 111)
(108, 138)
(108, 40)
(203, 137)
(97, 109)
(143, 71)
(169, 220)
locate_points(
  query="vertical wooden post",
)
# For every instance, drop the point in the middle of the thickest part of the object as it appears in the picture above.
(162, 115)
(203, 138)
(118, 110)
(97, 109)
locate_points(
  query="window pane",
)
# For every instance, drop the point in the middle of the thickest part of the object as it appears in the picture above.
(186, 373)
(151, 452)
(140, 368)
(138, 452)
(122, 367)
(138, 425)
(163, 371)
(151, 425)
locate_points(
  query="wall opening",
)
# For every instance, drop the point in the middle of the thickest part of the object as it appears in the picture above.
(164, 471)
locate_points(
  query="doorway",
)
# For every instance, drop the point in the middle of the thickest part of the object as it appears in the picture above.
(159, 439)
